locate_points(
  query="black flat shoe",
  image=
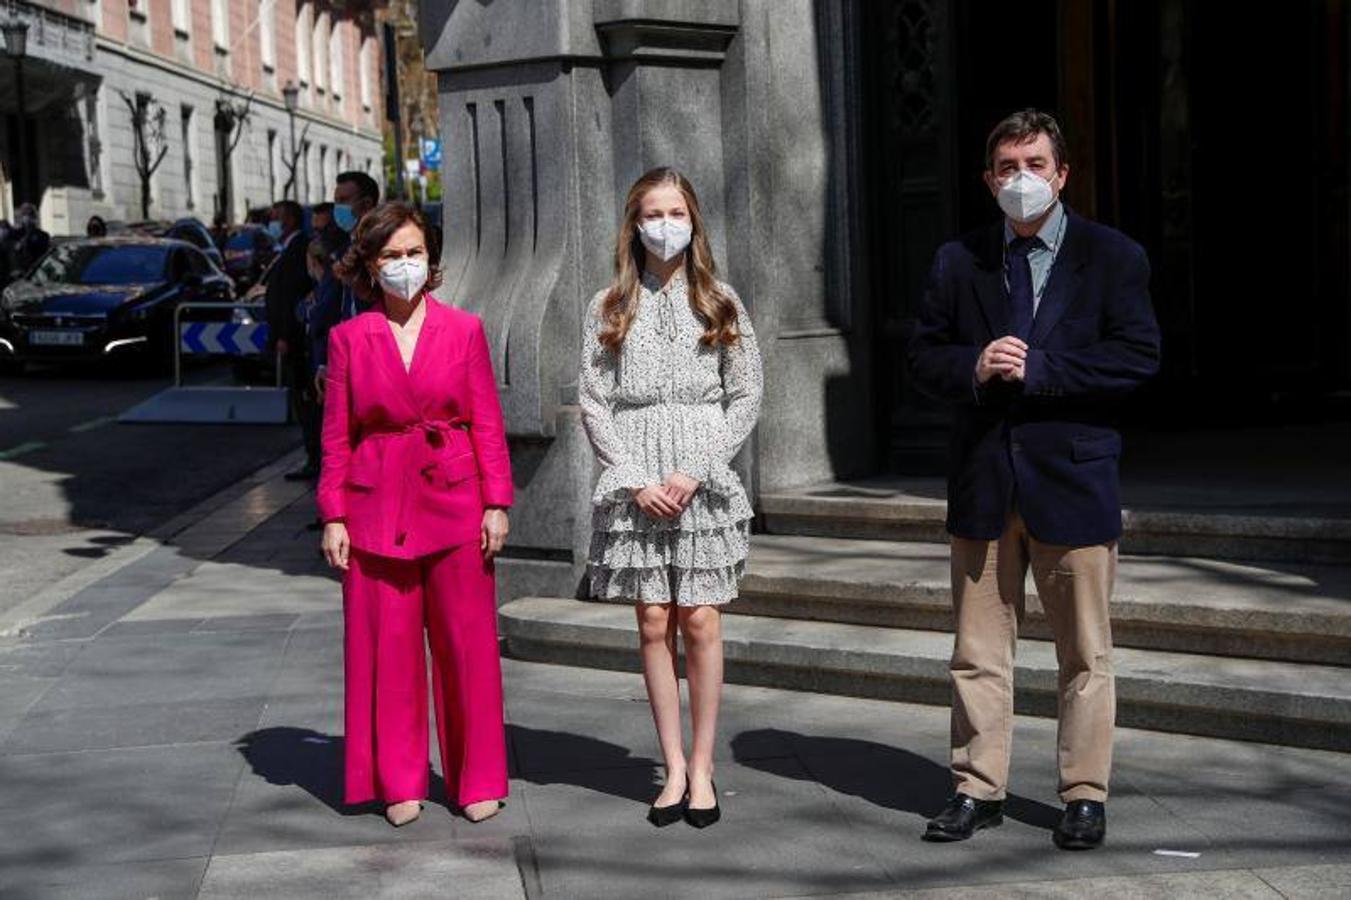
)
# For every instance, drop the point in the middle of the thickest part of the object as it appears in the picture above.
(963, 817)
(702, 818)
(661, 816)
(1083, 826)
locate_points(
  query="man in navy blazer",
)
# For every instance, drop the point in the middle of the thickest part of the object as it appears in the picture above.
(1034, 327)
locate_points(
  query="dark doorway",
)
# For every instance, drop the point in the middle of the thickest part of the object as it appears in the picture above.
(1226, 158)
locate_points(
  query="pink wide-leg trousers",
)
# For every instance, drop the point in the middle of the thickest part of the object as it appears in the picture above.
(388, 605)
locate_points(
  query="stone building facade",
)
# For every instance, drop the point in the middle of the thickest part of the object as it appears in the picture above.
(549, 111)
(213, 71)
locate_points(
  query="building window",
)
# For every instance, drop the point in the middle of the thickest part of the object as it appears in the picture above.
(189, 152)
(180, 12)
(304, 34)
(366, 65)
(272, 164)
(267, 34)
(335, 57)
(91, 112)
(220, 25)
(320, 39)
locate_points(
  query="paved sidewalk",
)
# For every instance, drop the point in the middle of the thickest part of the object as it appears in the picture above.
(174, 730)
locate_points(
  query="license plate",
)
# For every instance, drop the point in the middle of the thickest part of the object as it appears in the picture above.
(56, 338)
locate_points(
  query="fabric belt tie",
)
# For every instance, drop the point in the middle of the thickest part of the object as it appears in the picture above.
(416, 459)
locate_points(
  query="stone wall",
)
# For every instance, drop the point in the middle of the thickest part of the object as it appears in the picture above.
(548, 114)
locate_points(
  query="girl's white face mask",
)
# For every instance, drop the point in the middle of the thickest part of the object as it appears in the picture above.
(666, 238)
(1023, 196)
(404, 277)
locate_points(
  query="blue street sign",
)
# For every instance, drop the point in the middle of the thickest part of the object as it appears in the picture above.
(431, 153)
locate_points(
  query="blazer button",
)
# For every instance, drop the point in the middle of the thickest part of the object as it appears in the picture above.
(398, 540)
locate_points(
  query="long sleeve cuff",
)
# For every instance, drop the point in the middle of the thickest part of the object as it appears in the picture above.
(497, 492)
(616, 482)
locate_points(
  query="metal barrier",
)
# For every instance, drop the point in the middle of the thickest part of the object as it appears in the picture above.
(206, 404)
(201, 336)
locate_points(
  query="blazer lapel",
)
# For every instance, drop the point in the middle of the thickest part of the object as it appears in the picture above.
(989, 282)
(1062, 284)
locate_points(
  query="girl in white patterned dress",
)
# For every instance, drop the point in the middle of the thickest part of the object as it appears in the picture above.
(670, 389)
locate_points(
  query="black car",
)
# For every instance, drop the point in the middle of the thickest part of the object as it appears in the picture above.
(105, 297)
(197, 234)
(248, 251)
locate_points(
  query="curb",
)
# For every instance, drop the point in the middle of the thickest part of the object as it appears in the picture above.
(14, 621)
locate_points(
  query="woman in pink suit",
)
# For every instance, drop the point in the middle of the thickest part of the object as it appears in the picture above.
(413, 492)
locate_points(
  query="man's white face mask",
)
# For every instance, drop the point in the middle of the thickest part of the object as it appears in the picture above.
(1024, 196)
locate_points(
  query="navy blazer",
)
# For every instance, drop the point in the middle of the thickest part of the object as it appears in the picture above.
(1049, 444)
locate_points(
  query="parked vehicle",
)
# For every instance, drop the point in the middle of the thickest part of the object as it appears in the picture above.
(197, 234)
(105, 297)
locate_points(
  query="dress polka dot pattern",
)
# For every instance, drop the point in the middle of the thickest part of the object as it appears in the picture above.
(667, 403)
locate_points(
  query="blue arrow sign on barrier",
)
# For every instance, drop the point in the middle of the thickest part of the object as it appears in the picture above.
(192, 337)
(228, 338)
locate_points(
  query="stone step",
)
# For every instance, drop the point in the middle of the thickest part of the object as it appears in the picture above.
(915, 509)
(1283, 703)
(1294, 612)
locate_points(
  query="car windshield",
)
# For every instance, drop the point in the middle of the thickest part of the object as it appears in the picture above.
(95, 264)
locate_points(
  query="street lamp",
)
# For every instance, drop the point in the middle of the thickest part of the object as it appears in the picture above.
(16, 45)
(290, 94)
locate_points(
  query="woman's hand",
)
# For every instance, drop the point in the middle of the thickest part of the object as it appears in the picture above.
(494, 534)
(680, 488)
(336, 545)
(654, 501)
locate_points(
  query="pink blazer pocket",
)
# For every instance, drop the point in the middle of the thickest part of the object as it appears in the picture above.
(451, 471)
(363, 471)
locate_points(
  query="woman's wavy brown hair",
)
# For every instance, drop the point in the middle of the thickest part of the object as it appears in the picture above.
(713, 307)
(369, 239)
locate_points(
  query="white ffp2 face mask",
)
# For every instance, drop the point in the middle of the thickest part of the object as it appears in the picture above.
(666, 238)
(404, 277)
(1023, 196)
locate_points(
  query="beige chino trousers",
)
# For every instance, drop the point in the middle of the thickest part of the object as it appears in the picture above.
(989, 596)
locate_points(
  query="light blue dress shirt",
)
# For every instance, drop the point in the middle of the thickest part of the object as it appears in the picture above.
(1041, 257)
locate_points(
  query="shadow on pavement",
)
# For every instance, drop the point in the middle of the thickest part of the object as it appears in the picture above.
(883, 775)
(284, 756)
(581, 761)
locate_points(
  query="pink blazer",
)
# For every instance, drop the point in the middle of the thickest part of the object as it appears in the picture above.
(412, 458)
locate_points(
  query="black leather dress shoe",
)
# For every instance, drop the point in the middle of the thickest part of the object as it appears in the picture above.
(963, 817)
(307, 472)
(1083, 826)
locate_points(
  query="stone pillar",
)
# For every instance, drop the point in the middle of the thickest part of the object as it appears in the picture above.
(548, 112)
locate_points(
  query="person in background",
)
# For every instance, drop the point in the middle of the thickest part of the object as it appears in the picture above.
(220, 230)
(321, 218)
(355, 195)
(29, 242)
(96, 227)
(288, 281)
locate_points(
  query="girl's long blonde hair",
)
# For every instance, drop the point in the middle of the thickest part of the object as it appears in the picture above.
(713, 307)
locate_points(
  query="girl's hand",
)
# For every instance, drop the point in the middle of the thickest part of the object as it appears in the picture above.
(680, 488)
(654, 501)
(336, 545)
(494, 533)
